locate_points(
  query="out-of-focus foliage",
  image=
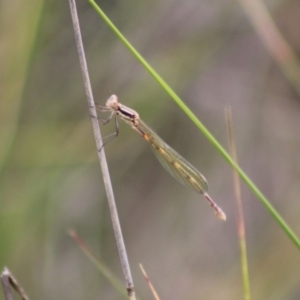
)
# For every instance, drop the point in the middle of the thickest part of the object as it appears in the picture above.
(50, 180)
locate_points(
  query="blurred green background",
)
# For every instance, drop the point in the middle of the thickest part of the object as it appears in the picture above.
(50, 180)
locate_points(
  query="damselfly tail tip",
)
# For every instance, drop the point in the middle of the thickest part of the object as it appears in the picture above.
(218, 211)
(220, 214)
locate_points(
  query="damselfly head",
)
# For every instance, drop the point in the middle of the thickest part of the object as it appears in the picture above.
(112, 102)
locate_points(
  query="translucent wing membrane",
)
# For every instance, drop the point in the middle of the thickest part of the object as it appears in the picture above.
(174, 163)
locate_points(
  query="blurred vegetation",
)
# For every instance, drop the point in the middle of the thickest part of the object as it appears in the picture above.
(50, 179)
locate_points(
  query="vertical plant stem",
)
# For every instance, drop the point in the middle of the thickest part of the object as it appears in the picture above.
(240, 213)
(101, 155)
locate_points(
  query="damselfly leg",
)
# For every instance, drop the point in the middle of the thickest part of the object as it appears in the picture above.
(111, 136)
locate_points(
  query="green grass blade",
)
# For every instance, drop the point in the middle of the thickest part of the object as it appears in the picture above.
(204, 130)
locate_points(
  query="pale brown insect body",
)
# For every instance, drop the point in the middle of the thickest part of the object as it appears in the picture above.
(173, 162)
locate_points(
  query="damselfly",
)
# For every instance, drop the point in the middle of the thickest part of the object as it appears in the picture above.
(174, 163)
